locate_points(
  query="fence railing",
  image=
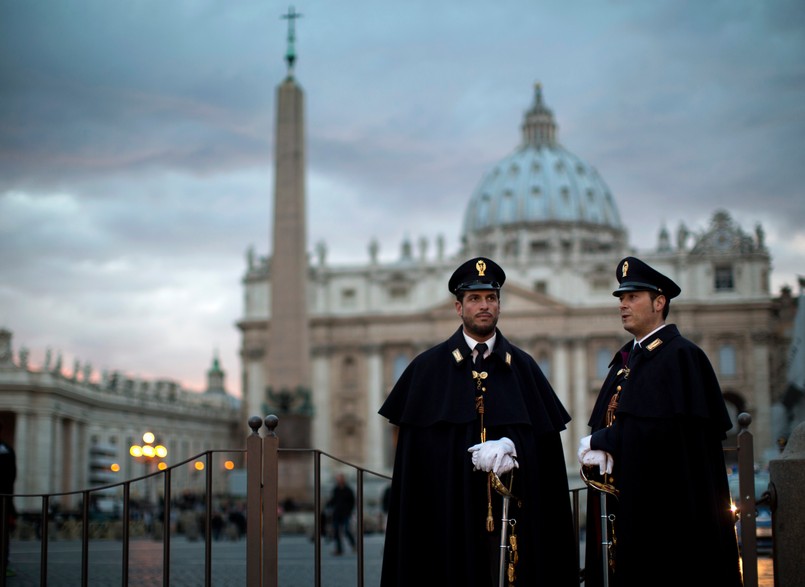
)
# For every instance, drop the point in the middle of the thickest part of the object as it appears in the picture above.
(262, 522)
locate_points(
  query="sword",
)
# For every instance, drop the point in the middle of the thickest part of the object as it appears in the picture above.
(603, 488)
(507, 495)
(604, 539)
(504, 543)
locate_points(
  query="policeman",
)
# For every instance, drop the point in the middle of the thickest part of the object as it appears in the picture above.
(477, 420)
(657, 428)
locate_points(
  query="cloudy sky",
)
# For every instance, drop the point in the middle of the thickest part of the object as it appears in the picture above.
(136, 143)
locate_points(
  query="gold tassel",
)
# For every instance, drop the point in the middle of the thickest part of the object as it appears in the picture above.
(514, 557)
(490, 521)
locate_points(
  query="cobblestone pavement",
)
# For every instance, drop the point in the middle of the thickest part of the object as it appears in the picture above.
(296, 558)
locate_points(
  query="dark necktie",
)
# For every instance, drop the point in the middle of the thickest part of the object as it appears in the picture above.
(481, 348)
(633, 354)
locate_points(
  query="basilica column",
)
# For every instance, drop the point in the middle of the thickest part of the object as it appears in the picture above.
(578, 408)
(560, 378)
(254, 382)
(375, 393)
(322, 428)
(761, 392)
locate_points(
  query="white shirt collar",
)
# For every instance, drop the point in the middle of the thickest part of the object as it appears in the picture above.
(471, 342)
(640, 342)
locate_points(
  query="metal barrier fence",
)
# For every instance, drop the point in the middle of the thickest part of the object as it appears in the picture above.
(262, 455)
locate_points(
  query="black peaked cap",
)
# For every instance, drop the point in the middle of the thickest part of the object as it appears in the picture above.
(477, 273)
(635, 275)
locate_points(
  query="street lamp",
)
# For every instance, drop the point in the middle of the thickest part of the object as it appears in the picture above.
(149, 451)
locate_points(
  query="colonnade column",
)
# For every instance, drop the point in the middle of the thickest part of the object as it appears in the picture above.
(40, 441)
(57, 456)
(22, 445)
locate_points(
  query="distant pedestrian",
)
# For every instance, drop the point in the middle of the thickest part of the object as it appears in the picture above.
(8, 475)
(342, 503)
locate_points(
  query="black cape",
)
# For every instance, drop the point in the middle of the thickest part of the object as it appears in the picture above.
(673, 524)
(436, 530)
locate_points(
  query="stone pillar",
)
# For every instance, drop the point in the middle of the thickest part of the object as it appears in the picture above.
(560, 370)
(578, 409)
(254, 394)
(321, 391)
(761, 392)
(41, 453)
(787, 485)
(57, 455)
(24, 474)
(561, 378)
(375, 393)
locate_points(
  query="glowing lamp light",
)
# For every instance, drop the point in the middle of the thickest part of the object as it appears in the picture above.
(148, 450)
(229, 465)
(115, 467)
(162, 466)
(199, 466)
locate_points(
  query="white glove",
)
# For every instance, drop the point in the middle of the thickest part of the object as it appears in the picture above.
(584, 448)
(494, 455)
(599, 457)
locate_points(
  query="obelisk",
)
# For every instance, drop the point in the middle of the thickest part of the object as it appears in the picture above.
(288, 345)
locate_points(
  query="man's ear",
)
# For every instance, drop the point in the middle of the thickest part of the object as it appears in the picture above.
(458, 307)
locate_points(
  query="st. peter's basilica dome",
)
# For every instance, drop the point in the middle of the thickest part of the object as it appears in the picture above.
(541, 202)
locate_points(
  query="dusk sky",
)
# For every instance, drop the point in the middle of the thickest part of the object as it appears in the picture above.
(136, 143)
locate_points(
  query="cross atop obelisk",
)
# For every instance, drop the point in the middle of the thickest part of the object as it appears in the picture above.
(290, 55)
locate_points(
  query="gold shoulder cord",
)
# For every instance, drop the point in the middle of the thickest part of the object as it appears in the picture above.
(480, 388)
(493, 481)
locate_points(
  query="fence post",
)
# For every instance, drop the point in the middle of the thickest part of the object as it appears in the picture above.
(270, 495)
(786, 493)
(746, 503)
(254, 480)
(5, 534)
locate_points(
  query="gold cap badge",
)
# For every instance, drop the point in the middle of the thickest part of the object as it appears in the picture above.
(625, 268)
(481, 267)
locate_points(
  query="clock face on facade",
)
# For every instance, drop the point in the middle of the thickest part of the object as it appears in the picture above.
(723, 240)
